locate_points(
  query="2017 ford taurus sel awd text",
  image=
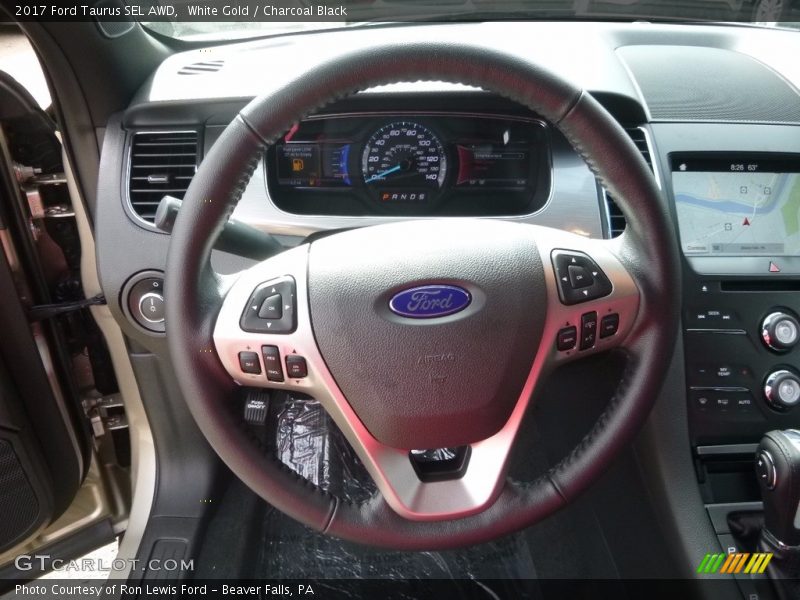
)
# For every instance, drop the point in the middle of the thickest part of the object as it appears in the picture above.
(377, 299)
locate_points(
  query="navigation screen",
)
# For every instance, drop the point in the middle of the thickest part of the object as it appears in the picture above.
(738, 207)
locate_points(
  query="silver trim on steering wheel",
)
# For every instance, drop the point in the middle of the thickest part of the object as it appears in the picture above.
(391, 468)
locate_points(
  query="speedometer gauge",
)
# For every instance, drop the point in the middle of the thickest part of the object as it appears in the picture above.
(404, 161)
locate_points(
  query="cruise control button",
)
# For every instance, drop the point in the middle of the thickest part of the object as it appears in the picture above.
(567, 338)
(609, 325)
(272, 308)
(588, 330)
(272, 363)
(248, 362)
(296, 366)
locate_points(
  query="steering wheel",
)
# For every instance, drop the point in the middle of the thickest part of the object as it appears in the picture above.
(424, 334)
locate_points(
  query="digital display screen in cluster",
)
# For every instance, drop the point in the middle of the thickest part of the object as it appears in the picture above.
(313, 164)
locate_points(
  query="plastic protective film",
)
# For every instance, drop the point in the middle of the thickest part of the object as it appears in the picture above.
(308, 442)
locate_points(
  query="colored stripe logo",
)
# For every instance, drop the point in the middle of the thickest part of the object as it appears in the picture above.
(735, 563)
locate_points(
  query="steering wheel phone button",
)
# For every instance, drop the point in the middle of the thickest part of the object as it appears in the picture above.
(272, 307)
(588, 330)
(272, 363)
(249, 363)
(609, 325)
(296, 366)
(567, 338)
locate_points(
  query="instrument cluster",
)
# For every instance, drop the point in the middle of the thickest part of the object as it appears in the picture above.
(412, 164)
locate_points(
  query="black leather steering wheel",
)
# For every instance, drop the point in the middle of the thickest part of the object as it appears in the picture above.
(464, 375)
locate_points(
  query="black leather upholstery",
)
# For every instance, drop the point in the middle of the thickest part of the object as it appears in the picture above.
(648, 248)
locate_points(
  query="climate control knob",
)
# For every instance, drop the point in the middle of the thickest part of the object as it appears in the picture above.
(780, 331)
(782, 389)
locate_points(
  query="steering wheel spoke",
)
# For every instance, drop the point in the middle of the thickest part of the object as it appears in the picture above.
(593, 299)
(391, 468)
(265, 338)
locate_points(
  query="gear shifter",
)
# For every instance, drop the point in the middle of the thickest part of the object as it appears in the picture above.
(778, 471)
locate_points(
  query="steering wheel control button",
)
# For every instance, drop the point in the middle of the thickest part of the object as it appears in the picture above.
(588, 330)
(296, 367)
(782, 390)
(272, 363)
(567, 338)
(765, 469)
(249, 363)
(780, 331)
(609, 325)
(271, 308)
(151, 307)
(578, 277)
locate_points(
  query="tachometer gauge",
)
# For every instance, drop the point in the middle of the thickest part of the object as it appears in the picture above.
(404, 162)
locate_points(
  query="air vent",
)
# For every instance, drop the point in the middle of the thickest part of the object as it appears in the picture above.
(160, 163)
(201, 68)
(616, 220)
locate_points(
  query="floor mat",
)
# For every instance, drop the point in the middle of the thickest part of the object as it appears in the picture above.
(307, 441)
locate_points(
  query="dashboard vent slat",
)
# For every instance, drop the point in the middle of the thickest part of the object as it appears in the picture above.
(616, 220)
(160, 163)
(202, 67)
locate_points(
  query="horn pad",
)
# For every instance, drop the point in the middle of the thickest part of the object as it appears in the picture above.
(429, 328)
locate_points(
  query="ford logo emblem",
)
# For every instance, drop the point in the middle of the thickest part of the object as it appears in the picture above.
(429, 301)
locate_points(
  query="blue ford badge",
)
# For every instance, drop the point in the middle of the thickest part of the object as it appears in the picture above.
(429, 301)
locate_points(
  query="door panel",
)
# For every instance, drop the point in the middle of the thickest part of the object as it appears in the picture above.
(26, 496)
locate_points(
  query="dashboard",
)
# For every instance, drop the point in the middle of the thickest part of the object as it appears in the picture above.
(725, 152)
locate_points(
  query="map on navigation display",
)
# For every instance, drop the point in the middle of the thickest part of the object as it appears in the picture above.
(740, 213)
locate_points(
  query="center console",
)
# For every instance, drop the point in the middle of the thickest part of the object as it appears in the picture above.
(739, 226)
(735, 199)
